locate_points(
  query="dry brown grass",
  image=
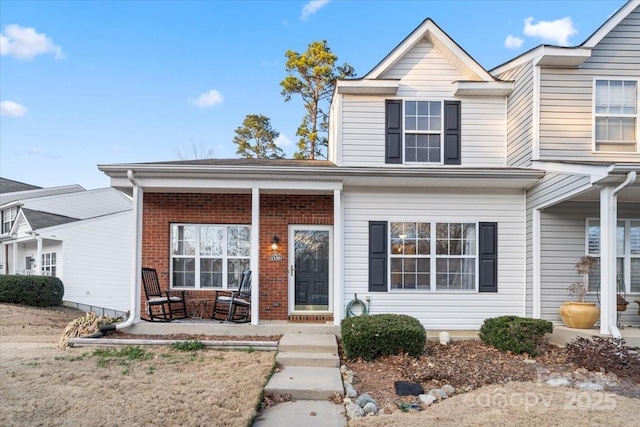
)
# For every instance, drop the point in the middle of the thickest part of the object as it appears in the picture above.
(42, 385)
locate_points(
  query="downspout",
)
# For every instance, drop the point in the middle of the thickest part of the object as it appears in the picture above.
(137, 216)
(631, 177)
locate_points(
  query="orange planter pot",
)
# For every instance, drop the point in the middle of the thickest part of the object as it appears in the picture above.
(579, 315)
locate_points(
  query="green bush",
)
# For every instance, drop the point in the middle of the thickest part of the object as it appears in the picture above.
(38, 291)
(369, 337)
(516, 334)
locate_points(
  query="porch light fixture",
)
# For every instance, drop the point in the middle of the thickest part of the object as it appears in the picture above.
(274, 242)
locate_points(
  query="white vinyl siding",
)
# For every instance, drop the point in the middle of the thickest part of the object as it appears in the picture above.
(424, 75)
(82, 204)
(520, 115)
(563, 231)
(441, 309)
(567, 98)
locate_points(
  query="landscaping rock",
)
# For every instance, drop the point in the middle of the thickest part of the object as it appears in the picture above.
(406, 388)
(364, 399)
(370, 408)
(427, 399)
(449, 390)
(589, 386)
(354, 411)
(559, 382)
(438, 393)
(350, 391)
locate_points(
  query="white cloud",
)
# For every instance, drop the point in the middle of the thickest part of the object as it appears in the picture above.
(13, 109)
(26, 43)
(557, 31)
(207, 99)
(39, 152)
(283, 140)
(311, 8)
(512, 42)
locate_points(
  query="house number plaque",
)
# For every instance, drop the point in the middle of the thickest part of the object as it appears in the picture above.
(276, 257)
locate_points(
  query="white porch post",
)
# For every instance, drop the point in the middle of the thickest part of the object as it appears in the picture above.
(38, 266)
(536, 264)
(14, 260)
(608, 220)
(338, 258)
(136, 262)
(255, 255)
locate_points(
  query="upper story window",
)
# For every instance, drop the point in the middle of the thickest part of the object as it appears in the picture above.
(8, 218)
(423, 131)
(616, 115)
(209, 256)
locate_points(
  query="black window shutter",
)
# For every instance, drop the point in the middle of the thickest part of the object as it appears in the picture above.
(488, 253)
(377, 256)
(452, 133)
(393, 128)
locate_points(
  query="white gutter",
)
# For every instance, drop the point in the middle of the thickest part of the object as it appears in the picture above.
(137, 261)
(613, 327)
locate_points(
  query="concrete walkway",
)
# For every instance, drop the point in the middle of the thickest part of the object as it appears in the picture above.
(309, 371)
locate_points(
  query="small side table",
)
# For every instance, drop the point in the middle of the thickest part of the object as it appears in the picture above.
(199, 308)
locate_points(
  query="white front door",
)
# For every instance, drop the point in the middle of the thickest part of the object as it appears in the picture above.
(310, 269)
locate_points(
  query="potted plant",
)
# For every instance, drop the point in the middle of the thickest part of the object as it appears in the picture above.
(580, 314)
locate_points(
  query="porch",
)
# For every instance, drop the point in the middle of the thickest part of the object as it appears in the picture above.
(562, 335)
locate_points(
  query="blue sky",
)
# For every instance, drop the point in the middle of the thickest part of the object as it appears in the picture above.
(98, 82)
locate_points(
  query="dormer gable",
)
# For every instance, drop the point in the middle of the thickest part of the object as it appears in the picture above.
(427, 41)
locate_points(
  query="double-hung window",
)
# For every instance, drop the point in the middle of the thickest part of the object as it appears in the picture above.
(627, 253)
(8, 218)
(616, 115)
(423, 131)
(433, 256)
(49, 264)
(209, 256)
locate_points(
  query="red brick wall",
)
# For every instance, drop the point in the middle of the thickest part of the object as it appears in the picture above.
(277, 212)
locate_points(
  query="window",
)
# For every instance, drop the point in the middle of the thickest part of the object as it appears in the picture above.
(433, 256)
(209, 256)
(49, 264)
(627, 253)
(423, 131)
(616, 115)
(8, 218)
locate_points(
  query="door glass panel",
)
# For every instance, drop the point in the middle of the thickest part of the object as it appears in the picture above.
(311, 285)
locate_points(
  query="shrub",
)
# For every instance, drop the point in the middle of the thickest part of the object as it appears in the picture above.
(608, 354)
(369, 337)
(191, 345)
(38, 291)
(516, 334)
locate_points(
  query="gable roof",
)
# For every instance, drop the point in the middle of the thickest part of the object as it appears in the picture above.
(455, 54)
(11, 186)
(18, 196)
(568, 57)
(39, 219)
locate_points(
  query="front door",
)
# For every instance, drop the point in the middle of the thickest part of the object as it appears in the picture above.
(310, 268)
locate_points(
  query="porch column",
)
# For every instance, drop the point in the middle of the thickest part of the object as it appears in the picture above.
(38, 266)
(14, 261)
(338, 258)
(535, 265)
(255, 255)
(136, 256)
(608, 221)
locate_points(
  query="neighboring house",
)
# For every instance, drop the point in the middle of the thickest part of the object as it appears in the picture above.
(574, 114)
(83, 237)
(423, 207)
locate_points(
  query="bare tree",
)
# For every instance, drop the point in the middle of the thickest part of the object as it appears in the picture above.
(194, 152)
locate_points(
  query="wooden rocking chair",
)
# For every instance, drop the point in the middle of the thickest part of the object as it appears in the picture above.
(172, 306)
(234, 306)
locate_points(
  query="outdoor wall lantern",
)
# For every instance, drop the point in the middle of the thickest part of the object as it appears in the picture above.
(274, 243)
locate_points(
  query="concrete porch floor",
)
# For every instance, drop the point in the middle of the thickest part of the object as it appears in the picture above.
(562, 335)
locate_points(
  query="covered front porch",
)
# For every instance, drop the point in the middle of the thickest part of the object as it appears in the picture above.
(199, 231)
(594, 213)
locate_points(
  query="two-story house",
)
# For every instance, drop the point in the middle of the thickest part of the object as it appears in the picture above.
(84, 237)
(574, 114)
(425, 206)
